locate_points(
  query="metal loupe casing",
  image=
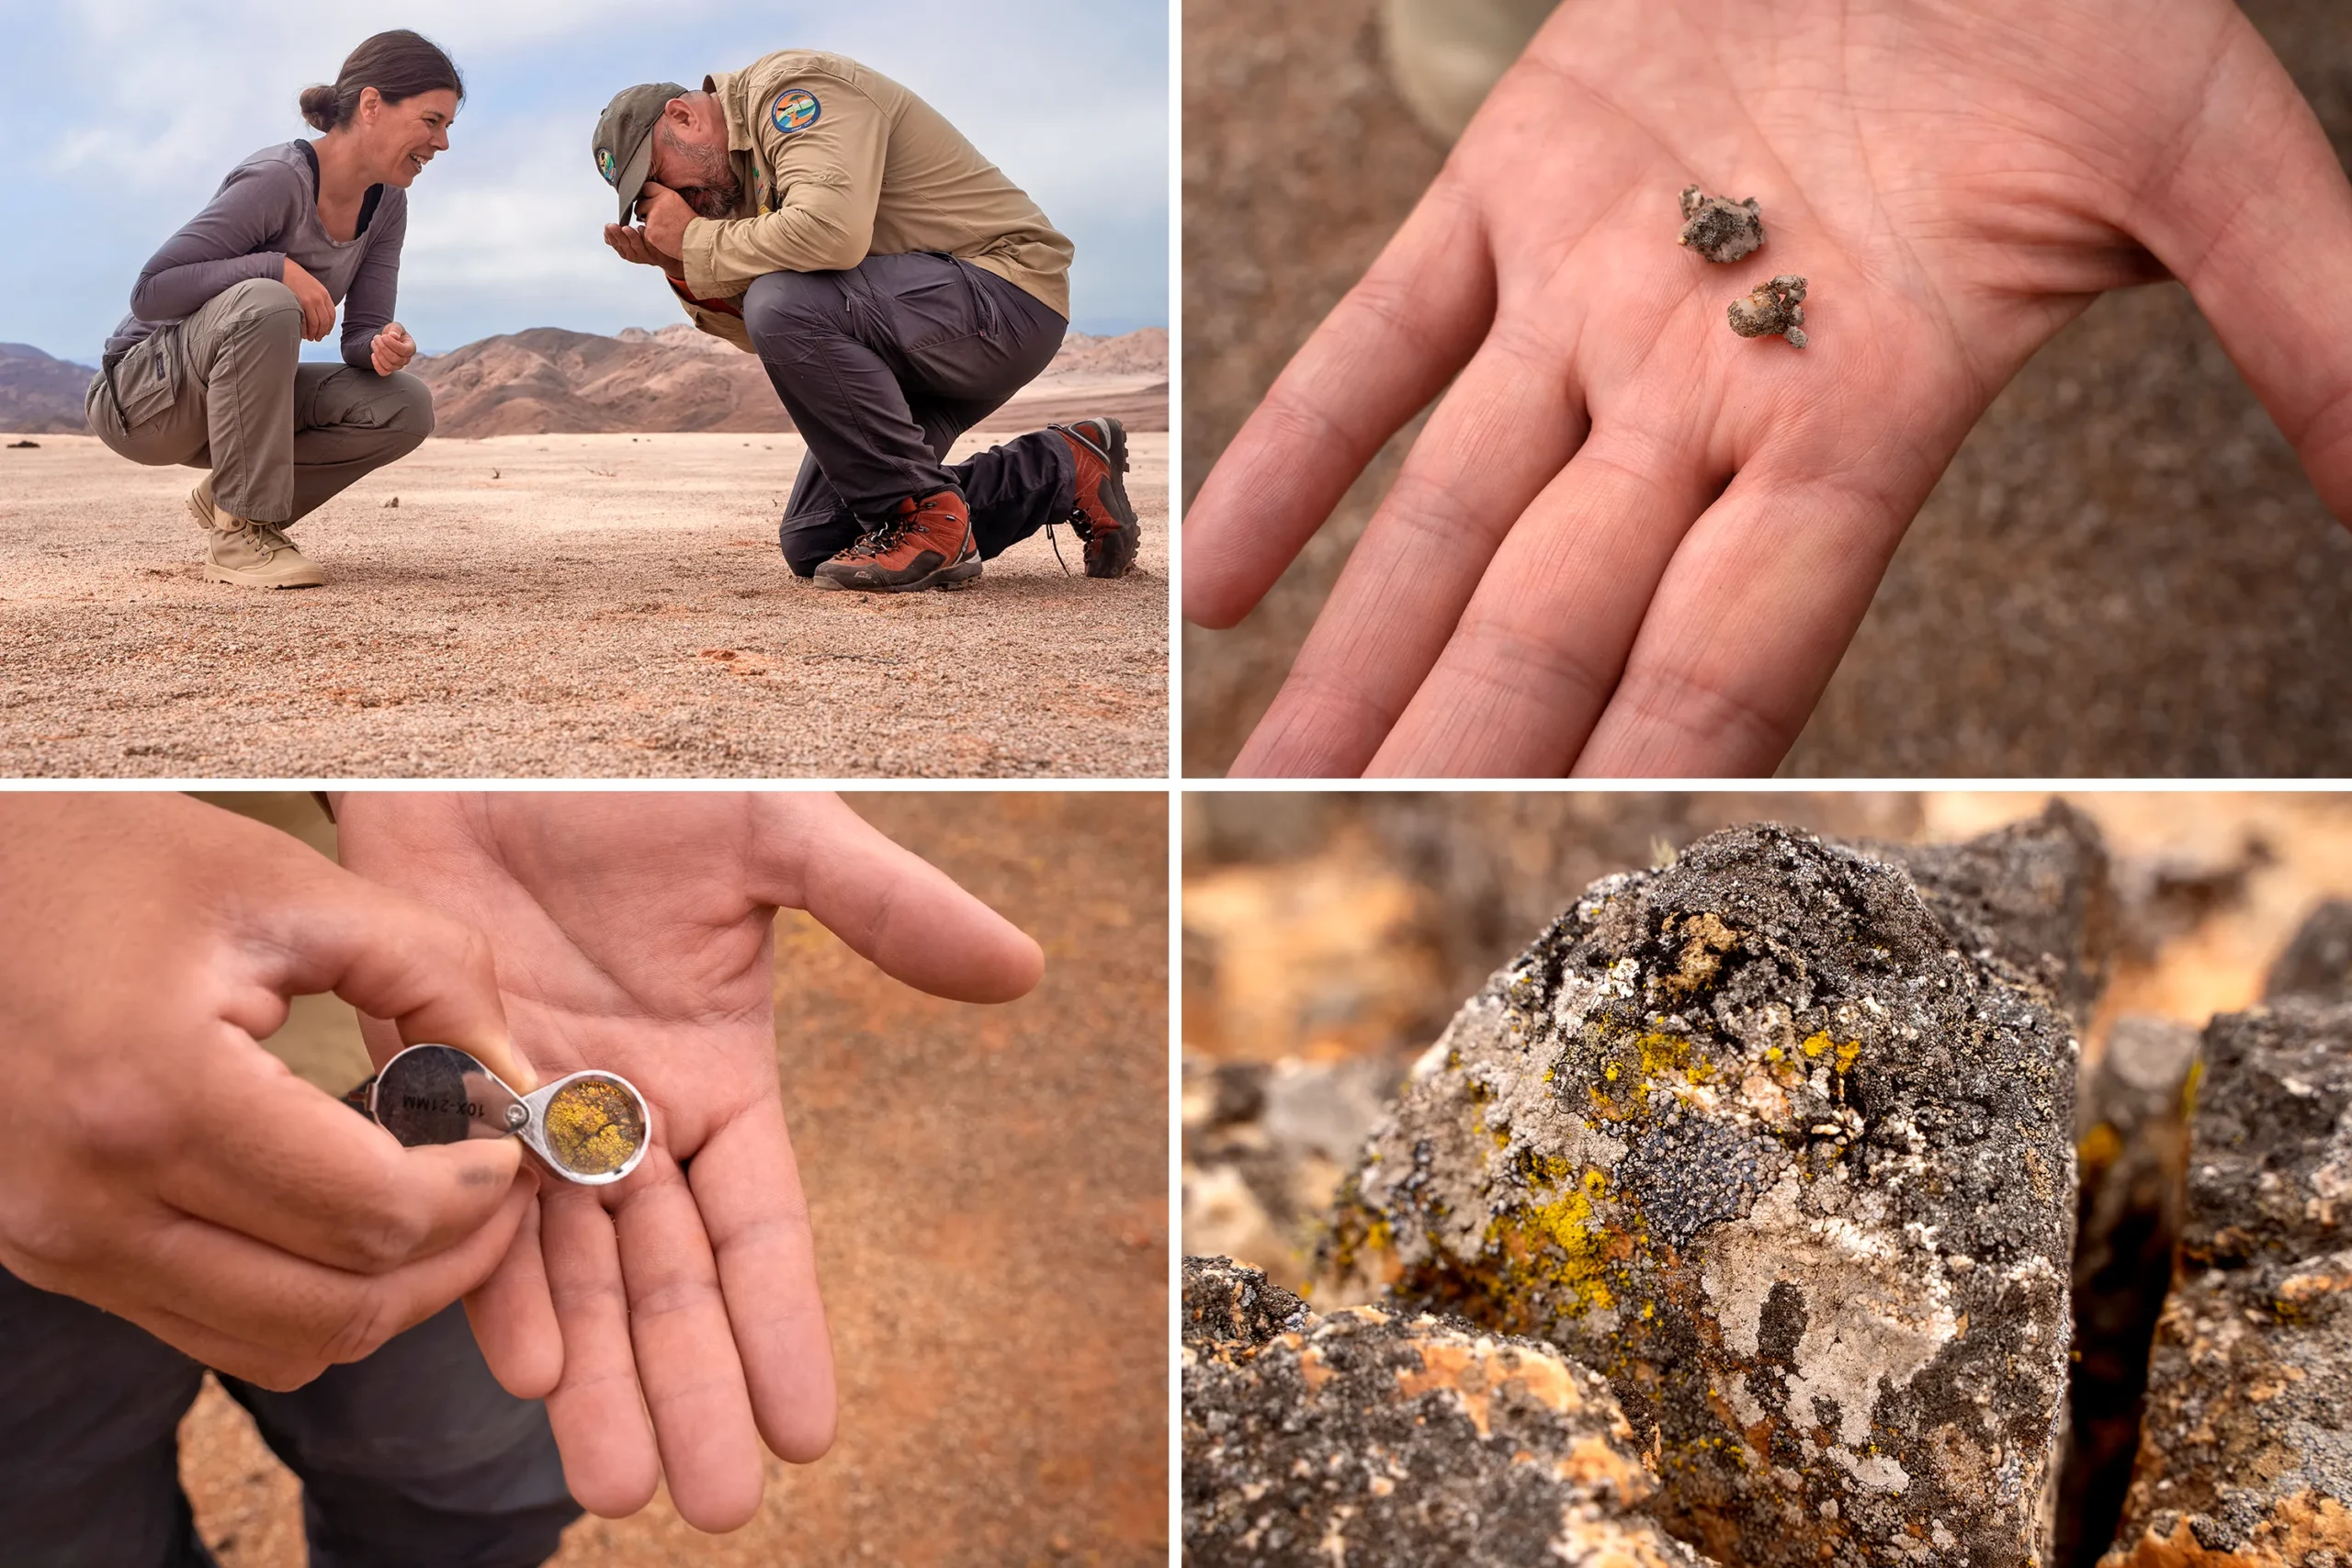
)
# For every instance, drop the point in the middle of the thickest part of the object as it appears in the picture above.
(590, 1127)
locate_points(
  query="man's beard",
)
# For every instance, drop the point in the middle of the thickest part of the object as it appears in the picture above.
(716, 192)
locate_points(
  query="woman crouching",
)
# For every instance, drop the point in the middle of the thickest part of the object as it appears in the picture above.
(206, 370)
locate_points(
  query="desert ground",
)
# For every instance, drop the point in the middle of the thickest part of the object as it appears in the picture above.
(2124, 572)
(554, 605)
(989, 1192)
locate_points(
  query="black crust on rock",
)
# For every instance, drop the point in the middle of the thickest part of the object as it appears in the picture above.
(1386, 1441)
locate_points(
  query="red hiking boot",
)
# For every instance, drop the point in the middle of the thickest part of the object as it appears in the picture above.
(1100, 512)
(926, 543)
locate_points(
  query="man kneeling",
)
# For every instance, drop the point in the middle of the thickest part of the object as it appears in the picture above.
(897, 288)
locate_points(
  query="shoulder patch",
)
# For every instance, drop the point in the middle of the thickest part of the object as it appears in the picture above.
(606, 167)
(796, 109)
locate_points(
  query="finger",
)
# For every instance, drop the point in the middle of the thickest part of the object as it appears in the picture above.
(267, 1154)
(748, 1188)
(247, 1290)
(610, 1464)
(896, 909)
(1750, 620)
(1381, 355)
(391, 957)
(1501, 433)
(2258, 224)
(255, 1363)
(685, 1351)
(1540, 649)
(514, 1315)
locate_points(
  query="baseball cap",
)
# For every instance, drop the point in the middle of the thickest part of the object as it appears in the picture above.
(624, 144)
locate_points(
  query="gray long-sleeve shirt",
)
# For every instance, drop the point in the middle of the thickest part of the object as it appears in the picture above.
(265, 210)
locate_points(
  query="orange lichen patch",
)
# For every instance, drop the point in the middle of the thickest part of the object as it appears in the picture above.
(2301, 1289)
(2296, 1527)
(1706, 938)
(1312, 1370)
(2099, 1148)
(1598, 1464)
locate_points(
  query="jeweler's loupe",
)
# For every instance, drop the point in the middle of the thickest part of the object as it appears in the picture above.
(590, 1127)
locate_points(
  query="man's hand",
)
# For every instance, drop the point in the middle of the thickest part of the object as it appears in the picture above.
(393, 349)
(635, 933)
(158, 1163)
(318, 308)
(665, 215)
(1629, 542)
(629, 242)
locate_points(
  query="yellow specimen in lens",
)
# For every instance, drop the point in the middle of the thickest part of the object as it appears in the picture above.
(593, 1126)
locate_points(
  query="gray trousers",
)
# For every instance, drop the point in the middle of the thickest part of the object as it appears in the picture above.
(413, 1455)
(882, 367)
(226, 389)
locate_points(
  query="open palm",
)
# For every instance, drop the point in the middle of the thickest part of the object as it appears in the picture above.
(635, 933)
(1630, 541)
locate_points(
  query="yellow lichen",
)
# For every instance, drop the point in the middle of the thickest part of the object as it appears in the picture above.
(594, 1127)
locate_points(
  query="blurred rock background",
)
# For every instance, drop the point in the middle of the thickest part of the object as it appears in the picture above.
(2123, 574)
(989, 1189)
(1328, 938)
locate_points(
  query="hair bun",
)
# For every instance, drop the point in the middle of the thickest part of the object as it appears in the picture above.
(319, 108)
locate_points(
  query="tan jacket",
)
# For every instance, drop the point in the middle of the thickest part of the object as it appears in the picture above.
(839, 163)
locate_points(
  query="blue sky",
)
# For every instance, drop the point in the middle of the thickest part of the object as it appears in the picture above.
(123, 115)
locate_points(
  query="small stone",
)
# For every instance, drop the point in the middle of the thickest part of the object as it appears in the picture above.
(1774, 308)
(2247, 1437)
(1383, 1441)
(2318, 960)
(26, 444)
(394, 501)
(1715, 1134)
(1229, 1306)
(1718, 228)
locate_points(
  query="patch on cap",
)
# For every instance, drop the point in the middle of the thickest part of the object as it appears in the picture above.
(606, 166)
(796, 109)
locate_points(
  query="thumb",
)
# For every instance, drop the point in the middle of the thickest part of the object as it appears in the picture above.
(2257, 219)
(812, 853)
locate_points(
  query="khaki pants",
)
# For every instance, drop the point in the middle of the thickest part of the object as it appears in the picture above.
(225, 389)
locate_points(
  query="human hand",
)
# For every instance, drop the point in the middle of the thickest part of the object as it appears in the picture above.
(1628, 542)
(393, 349)
(155, 1160)
(635, 933)
(627, 241)
(665, 215)
(318, 308)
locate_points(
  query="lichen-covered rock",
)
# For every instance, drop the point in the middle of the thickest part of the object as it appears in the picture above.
(2245, 1453)
(1751, 1137)
(2133, 1151)
(1230, 1306)
(2035, 896)
(1775, 307)
(1378, 1440)
(2318, 960)
(1718, 228)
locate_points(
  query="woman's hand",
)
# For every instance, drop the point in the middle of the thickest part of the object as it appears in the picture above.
(318, 309)
(393, 349)
(1631, 543)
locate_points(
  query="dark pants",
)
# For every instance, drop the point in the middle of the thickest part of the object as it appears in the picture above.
(882, 367)
(413, 1455)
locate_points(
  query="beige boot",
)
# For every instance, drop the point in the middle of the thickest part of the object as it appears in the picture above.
(251, 554)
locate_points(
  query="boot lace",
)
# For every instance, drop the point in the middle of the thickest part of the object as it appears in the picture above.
(881, 541)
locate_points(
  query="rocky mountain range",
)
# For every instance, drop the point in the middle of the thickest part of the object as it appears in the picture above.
(551, 379)
(40, 395)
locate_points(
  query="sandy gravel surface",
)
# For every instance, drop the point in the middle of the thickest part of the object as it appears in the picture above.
(2124, 572)
(989, 1189)
(552, 605)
